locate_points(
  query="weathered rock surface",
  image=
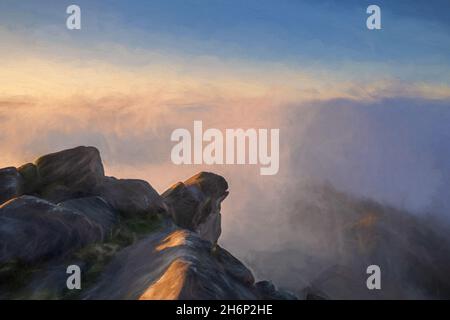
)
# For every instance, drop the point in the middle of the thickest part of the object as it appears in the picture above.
(33, 230)
(70, 173)
(130, 196)
(195, 204)
(177, 264)
(78, 173)
(96, 209)
(11, 184)
(62, 210)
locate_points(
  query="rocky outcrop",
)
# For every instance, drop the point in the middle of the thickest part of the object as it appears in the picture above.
(178, 264)
(63, 202)
(130, 242)
(77, 173)
(195, 204)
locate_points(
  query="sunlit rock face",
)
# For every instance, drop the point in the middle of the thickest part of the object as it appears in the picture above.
(175, 264)
(129, 242)
(178, 264)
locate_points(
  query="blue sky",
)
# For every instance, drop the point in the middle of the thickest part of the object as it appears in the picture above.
(318, 36)
(323, 32)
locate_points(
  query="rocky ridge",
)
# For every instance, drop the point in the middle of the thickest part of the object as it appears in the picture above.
(129, 241)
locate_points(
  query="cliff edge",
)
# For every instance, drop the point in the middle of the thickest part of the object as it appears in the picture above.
(128, 241)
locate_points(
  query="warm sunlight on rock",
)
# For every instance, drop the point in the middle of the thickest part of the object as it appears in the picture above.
(175, 239)
(169, 286)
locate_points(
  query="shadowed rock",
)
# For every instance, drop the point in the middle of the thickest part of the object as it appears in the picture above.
(32, 230)
(11, 184)
(129, 196)
(71, 173)
(95, 209)
(196, 203)
(30, 176)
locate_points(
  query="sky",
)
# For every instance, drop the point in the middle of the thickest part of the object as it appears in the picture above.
(413, 44)
(254, 29)
(364, 110)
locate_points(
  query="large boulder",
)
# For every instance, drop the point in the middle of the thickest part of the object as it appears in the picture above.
(32, 230)
(71, 173)
(78, 173)
(129, 196)
(195, 204)
(11, 184)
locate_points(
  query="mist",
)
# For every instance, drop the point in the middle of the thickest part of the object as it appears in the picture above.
(380, 168)
(291, 227)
